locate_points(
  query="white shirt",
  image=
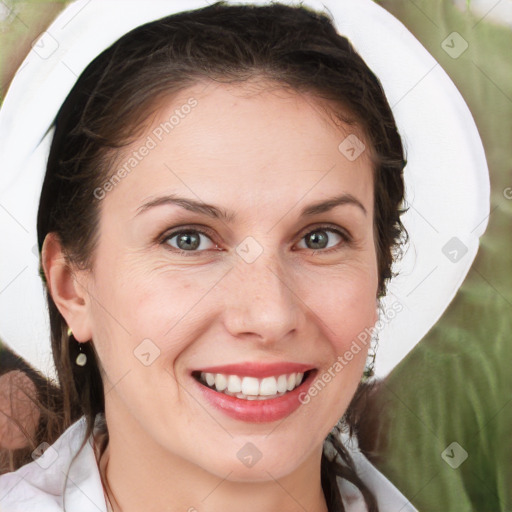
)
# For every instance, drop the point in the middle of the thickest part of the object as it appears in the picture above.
(41, 485)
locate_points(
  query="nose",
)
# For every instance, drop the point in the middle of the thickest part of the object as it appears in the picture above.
(261, 303)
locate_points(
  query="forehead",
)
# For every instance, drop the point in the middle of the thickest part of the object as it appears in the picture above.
(244, 144)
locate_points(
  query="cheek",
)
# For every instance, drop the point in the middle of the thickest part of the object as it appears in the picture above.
(345, 303)
(136, 312)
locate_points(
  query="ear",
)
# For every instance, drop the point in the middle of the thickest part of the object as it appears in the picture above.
(68, 288)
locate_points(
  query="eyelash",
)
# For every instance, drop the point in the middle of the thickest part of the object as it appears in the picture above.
(190, 229)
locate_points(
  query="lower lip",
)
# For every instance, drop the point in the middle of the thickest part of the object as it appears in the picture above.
(257, 411)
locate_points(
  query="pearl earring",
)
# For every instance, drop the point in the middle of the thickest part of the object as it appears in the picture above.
(81, 358)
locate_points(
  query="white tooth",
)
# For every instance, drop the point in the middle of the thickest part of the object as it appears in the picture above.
(234, 384)
(220, 382)
(298, 379)
(251, 397)
(268, 386)
(291, 381)
(281, 383)
(250, 386)
(210, 378)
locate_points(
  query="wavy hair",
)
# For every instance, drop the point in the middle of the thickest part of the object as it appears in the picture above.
(290, 46)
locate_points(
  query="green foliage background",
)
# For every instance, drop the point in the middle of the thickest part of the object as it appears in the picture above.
(456, 385)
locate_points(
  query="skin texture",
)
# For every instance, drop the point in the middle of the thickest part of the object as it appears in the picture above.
(487, 92)
(264, 155)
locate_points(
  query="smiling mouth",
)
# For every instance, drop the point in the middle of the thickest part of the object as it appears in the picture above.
(251, 388)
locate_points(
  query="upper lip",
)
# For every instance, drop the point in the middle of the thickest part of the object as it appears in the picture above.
(258, 370)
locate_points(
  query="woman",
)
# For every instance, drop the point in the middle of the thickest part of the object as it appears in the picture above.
(217, 224)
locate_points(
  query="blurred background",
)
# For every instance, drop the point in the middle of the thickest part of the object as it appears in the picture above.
(439, 427)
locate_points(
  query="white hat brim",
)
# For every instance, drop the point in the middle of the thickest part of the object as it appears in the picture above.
(447, 179)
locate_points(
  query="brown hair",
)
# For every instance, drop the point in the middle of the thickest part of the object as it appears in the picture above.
(113, 99)
(46, 404)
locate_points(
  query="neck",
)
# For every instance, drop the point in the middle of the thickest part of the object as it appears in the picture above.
(162, 481)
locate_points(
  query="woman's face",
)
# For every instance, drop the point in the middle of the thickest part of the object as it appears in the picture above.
(283, 293)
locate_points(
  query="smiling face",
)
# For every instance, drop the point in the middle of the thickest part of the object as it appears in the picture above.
(185, 299)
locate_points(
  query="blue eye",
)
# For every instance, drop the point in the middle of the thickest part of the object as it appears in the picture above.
(319, 239)
(189, 241)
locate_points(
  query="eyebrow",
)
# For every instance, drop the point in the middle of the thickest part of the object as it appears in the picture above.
(219, 213)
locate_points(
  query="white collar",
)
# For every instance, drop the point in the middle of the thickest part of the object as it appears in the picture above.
(40, 485)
